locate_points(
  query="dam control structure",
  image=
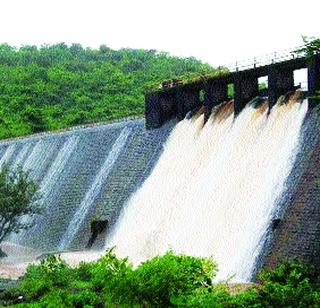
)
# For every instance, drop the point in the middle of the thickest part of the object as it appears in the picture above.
(176, 100)
(295, 230)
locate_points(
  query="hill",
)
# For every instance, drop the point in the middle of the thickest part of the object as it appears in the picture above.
(58, 86)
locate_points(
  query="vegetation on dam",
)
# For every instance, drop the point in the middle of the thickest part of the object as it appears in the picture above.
(57, 86)
(311, 47)
(167, 281)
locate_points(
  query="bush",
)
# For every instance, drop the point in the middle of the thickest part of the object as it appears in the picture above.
(290, 285)
(40, 279)
(19, 196)
(112, 277)
(164, 281)
(83, 298)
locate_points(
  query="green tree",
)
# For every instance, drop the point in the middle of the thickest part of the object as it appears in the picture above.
(310, 49)
(56, 86)
(311, 46)
(19, 196)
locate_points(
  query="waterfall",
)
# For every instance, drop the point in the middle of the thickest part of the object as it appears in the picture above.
(38, 158)
(214, 188)
(68, 167)
(22, 155)
(94, 190)
(33, 162)
(7, 154)
(58, 166)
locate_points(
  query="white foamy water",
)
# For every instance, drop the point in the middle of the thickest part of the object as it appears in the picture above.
(38, 158)
(22, 155)
(94, 190)
(46, 187)
(57, 167)
(7, 154)
(214, 189)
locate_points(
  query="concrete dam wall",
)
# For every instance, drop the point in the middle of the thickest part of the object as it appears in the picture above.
(85, 175)
(218, 187)
(296, 232)
(197, 187)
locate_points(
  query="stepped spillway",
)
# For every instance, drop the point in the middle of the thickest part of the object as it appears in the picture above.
(84, 174)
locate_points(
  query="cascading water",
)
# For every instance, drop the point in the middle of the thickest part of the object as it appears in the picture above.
(94, 190)
(214, 189)
(22, 155)
(58, 166)
(7, 154)
(83, 174)
(33, 163)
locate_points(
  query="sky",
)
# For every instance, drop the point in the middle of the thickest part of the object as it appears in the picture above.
(217, 32)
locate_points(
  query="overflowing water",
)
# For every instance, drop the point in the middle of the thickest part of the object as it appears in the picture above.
(94, 190)
(57, 167)
(84, 174)
(7, 154)
(215, 188)
(22, 155)
(212, 192)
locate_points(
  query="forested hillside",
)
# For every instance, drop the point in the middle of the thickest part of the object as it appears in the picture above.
(57, 86)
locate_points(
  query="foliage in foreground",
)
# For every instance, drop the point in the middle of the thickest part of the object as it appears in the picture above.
(167, 281)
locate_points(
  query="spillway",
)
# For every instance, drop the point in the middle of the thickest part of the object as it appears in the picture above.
(215, 188)
(91, 194)
(201, 189)
(84, 174)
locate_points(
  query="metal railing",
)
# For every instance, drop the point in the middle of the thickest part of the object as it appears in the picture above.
(267, 59)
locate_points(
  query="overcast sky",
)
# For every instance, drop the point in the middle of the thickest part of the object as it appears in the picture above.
(217, 32)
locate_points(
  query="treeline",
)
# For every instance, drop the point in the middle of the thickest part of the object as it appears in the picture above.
(57, 86)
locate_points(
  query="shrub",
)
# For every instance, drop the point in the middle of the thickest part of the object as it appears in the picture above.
(164, 281)
(83, 298)
(163, 278)
(19, 196)
(40, 279)
(291, 284)
(112, 277)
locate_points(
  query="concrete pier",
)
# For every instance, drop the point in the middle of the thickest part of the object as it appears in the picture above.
(178, 100)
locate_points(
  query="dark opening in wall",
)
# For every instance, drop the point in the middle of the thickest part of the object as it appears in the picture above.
(263, 85)
(275, 223)
(201, 96)
(97, 227)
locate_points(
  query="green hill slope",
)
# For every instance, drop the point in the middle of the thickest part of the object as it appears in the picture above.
(57, 86)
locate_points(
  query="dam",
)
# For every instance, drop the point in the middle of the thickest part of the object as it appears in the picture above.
(176, 99)
(231, 176)
(237, 184)
(84, 175)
